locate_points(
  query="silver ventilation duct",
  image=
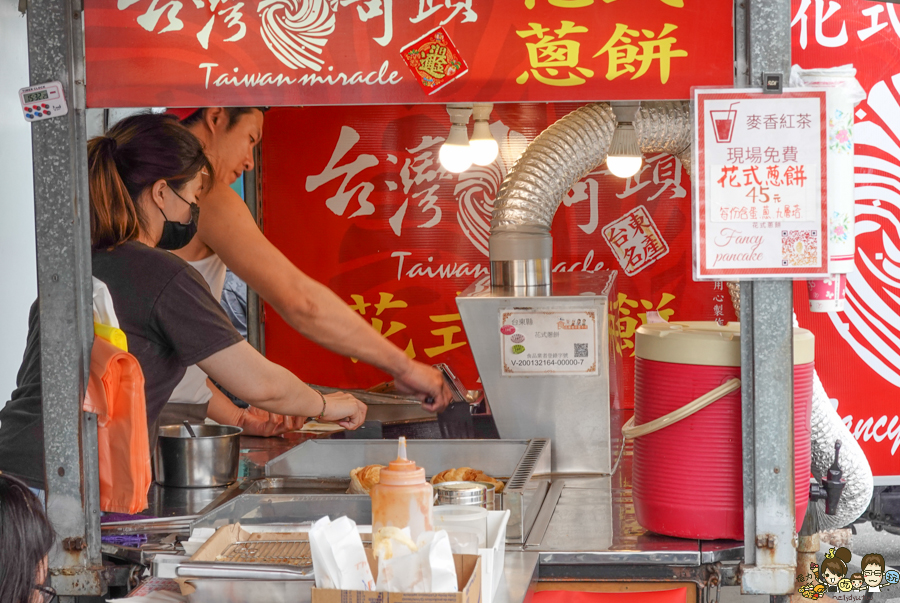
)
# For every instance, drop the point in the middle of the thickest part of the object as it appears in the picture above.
(665, 127)
(521, 247)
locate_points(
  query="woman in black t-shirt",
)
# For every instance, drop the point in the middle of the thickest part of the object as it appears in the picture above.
(145, 176)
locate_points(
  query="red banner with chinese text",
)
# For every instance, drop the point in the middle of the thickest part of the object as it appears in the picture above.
(368, 211)
(858, 350)
(173, 53)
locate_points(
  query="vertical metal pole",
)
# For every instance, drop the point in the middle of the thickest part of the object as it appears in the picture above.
(767, 365)
(767, 395)
(56, 52)
(742, 80)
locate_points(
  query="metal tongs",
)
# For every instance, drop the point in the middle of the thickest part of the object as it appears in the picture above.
(378, 395)
(456, 421)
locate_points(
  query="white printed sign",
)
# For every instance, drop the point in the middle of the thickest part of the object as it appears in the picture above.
(760, 184)
(554, 342)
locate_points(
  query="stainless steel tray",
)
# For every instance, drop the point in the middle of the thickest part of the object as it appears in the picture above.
(299, 485)
(523, 464)
(286, 510)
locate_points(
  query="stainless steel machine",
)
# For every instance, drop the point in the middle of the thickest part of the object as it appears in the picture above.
(549, 363)
(544, 342)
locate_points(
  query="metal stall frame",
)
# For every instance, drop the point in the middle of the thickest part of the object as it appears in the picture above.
(763, 45)
(56, 52)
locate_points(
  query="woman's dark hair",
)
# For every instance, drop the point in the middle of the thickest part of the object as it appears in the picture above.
(25, 539)
(137, 152)
(837, 565)
(234, 114)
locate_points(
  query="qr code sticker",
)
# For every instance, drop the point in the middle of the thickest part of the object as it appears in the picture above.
(581, 350)
(799, 247)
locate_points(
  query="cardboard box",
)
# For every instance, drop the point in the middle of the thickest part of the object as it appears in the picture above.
(468, 576)
(468, 568)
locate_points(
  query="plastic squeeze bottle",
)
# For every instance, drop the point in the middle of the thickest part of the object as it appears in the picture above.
(402, 498)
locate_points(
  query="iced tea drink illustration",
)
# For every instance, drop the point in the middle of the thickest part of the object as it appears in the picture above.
(723, 122)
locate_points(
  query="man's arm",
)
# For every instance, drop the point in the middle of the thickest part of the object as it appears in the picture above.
(310, 307)
(254, 421)
(247, 374)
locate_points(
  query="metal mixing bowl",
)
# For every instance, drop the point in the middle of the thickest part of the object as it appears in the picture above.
(211, 459)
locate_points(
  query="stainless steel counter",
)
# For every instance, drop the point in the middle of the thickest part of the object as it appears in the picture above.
(586, 527)
(586, 530)
(520, 576)
(584, 519)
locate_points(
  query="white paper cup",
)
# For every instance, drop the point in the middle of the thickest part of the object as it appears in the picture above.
(827, 295)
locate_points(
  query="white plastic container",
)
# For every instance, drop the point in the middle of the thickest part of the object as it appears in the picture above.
(465, 524)
(493, 557)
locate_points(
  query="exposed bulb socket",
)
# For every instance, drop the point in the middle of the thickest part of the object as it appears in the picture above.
(484, 147)
(624, 158)
(456, 154)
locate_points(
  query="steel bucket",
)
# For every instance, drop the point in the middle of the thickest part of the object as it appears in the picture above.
(211, 459)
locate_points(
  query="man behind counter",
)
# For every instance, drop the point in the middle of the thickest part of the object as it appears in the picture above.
(229, 236)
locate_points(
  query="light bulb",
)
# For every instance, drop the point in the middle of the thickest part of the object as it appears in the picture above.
(455, 158)
(624, 159)
(484, 148)
(456, 154)
(624, 167)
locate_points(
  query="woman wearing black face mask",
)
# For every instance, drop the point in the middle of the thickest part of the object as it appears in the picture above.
(176, 235)
(145, 176)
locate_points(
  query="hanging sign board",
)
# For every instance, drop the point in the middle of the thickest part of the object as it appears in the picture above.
(192, 53)
(760, 184)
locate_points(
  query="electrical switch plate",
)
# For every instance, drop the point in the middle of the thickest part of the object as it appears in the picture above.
(772, 83)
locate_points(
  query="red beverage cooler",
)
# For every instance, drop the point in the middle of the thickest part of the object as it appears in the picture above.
(688, 476)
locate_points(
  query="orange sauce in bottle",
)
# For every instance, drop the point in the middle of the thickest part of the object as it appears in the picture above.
(403, 498)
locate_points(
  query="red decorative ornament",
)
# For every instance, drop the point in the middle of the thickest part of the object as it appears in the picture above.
(434, 60)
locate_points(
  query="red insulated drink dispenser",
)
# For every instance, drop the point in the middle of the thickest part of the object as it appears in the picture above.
(675, 364)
